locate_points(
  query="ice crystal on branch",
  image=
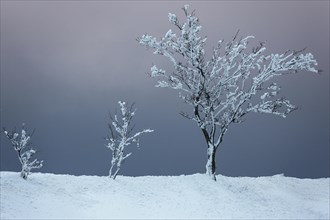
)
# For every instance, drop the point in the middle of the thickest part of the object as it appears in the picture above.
(20, 143)
(121, 136)
(222, 90)
(172, 18)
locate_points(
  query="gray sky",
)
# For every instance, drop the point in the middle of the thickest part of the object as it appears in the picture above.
(64, 66)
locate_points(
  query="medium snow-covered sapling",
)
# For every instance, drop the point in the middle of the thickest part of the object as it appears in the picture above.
(21, 144)
(231, 84)
(121, 136)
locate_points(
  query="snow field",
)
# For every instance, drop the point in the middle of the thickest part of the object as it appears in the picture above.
(53, 196)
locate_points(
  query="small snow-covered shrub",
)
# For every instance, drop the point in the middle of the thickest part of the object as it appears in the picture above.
(21, 144)
(121, 136)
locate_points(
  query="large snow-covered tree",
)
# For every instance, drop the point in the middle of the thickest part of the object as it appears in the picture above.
(121, 136)
(233, 82)
(21, 144)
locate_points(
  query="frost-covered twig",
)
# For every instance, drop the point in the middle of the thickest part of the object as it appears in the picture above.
(20, 142)
(120, 137)
(225, 88)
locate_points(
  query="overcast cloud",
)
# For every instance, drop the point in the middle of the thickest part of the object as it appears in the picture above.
(64, 66)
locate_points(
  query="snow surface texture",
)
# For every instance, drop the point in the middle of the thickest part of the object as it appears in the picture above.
(48, 196)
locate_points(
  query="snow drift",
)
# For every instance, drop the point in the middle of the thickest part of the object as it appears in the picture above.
(50, 196)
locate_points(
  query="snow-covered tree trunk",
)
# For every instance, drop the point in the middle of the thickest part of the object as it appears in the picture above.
(113, 176)
(211, 163)
(24, 172)
(113, 164)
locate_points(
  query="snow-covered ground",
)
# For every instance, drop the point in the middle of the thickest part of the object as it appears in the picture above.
(49, 196)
